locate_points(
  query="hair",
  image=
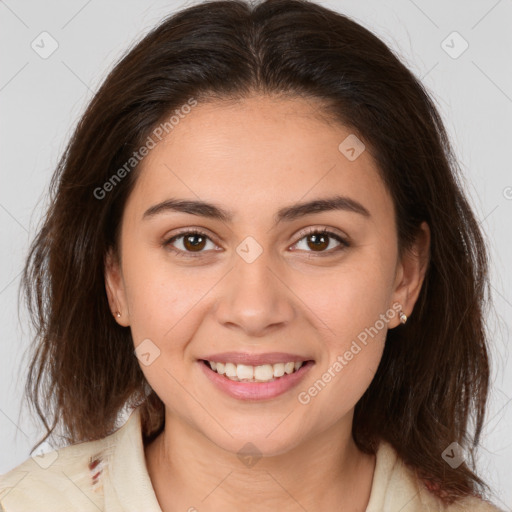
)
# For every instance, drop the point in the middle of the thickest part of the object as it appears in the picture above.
(433, 378)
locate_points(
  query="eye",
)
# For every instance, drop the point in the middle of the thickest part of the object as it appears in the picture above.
(192, 243)
(318, 240)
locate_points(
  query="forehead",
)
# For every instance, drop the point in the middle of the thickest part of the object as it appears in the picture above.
(253, 153)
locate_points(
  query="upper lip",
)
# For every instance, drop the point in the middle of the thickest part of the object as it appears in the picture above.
(255, 359)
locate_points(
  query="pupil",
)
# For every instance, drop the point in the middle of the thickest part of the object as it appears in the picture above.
(193, 244)
(319, 241)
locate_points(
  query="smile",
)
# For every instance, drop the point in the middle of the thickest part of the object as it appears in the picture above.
(248, 373)
(255, 382)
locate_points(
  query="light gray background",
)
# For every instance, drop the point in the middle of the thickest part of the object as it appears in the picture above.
(41, 100)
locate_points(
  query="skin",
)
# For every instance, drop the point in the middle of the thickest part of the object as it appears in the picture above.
(254, 157)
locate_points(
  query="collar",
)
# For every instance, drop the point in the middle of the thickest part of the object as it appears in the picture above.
(128, 488)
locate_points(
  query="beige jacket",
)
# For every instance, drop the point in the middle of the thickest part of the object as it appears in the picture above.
(110, 475)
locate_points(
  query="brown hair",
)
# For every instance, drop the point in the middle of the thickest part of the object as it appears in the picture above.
(434, 374)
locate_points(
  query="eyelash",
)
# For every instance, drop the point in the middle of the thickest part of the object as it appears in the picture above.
(310, 231)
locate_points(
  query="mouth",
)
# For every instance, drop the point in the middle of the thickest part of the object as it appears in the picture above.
(255, 382)
(250, 373)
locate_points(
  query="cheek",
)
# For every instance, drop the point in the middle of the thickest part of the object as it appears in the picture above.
(352, 309)
(348, 299)
(338, 385)
(158, 296)
(357, 314)
(163, 305)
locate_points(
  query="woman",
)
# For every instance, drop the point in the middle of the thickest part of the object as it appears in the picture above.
(257, 245)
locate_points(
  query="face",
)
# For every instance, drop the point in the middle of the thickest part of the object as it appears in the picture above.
(277, 278)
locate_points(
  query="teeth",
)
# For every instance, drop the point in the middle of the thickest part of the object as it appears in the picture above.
(279, 370)
(262, 373)
(230, 370)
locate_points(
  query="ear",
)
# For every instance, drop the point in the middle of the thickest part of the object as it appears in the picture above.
(114, 285)
(411, 272)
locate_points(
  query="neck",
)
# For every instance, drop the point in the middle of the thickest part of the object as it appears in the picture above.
(189, 472)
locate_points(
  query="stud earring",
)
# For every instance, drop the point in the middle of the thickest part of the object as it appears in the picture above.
(118, 314)
(403, 317)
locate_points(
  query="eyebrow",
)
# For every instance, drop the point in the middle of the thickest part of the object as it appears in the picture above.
(289, 213)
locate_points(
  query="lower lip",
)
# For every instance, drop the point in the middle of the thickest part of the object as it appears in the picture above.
(256, 390)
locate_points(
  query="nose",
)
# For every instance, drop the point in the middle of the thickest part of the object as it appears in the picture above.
(254, 298)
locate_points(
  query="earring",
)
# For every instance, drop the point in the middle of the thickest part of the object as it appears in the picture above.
(403, 317)
(118, 314)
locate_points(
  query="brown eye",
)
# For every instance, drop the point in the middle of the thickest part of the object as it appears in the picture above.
(189, 243)
(194, 242)
(319, 241)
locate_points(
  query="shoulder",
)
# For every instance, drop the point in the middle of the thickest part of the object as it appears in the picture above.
(396, 487)
(473, 504)
(467, 504)
(109, 474)
(66, 479)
